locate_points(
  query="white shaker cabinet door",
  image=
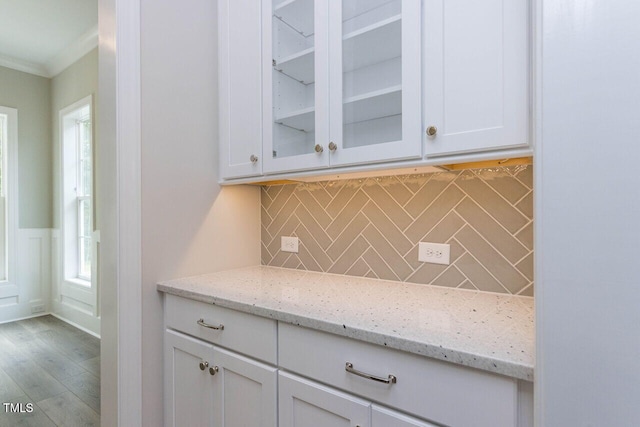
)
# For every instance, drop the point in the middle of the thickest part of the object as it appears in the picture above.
(245, 391)
(307, 404)
(240, 87)
(383, 417)
(188, 391)
(476, 75)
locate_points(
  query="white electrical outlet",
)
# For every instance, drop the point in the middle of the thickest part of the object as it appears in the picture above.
(434, 253)
(289, 244)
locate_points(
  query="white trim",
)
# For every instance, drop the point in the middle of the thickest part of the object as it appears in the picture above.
(75, 325)
(24, 66)
(72, 53)
(10, 159)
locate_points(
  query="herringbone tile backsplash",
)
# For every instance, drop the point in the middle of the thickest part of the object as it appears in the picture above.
(371, 227)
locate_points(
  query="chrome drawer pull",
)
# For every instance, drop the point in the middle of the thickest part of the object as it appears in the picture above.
(391, 379)
(206, 325)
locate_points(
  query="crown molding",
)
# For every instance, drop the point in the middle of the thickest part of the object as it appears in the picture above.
(24, 66)
(76, 50)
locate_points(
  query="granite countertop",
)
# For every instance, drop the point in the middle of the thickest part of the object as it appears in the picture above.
(482, 330)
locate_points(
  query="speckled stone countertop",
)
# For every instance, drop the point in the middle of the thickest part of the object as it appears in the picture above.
(482, 330)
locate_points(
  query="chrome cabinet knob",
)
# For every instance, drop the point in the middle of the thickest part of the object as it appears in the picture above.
(318, 148)
(333, 146)
(253, 158)
(204, 365)
(213, 370)
(432, 130)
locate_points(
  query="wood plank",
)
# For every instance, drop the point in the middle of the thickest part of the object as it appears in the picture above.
(67, 409)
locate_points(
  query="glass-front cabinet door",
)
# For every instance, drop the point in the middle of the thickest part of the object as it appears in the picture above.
(375, 81)
(296, 101)
(343, 86)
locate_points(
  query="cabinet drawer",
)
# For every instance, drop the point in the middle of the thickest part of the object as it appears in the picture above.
(251, 335)
(439, 391)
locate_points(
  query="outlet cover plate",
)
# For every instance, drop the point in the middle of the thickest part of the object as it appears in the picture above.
(289, 244)
(434, 253)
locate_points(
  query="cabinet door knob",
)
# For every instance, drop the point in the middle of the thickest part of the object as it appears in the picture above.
(203, 365)
(432, 130)
(318, 148)
(213, 370)
(333, 146)
(253, 158)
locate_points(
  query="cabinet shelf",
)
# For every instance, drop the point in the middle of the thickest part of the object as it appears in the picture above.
(373, 105)
(298, 14)
(303, 119)
(299, 66)
(372, 44)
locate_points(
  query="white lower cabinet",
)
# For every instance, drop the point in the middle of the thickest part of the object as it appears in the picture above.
(304, 403)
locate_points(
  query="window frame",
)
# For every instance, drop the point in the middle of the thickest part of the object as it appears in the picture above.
(10, 186)
(71, 200)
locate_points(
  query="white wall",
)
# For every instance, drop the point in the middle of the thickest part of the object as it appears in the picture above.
(587, 216)
(189, 224)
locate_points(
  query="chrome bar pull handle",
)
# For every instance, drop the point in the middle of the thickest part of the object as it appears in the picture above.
(391, 379)
(220, 327)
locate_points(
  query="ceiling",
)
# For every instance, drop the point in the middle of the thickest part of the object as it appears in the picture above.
(41, 36)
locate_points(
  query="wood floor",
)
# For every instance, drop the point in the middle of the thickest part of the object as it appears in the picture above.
(52, 365)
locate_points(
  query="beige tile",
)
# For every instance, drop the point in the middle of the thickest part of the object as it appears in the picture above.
(280, 200)
(265, 219)
(292, 262)
(285, 213)
(528, 291)
(317, 231)
(387, 252)
(318, 191)
(371, 274)
(308, 262)
(313, 207)
(315, 250)
(526, 266)
(504, 183)
(526, 205)
(387, 227)
(273, 190)
(345, 216)
(265, 256)
(436, 212)
(360, 268)
(265, 198)
(397, 190)
(496, 206)
(377, 264)
(287, 229)
(347, 189)
(499, 267)
(445, 229)
(451, 278)
(526, 236)
(525, 175)
(429, 192)
(426, 273)
(334, 187)
(411, 258)
(456, 251)
(344, 263)
(279, 259)
(478, 275)
(355, 227)
(387, 204)
(265, 237)
(467, 285)
(489, 228)
(416, 181)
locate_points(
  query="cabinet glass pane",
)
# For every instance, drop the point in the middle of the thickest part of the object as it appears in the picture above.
(293, 78)
(372, 72)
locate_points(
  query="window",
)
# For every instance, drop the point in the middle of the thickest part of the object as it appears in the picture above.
(77, 195)
(8, 187)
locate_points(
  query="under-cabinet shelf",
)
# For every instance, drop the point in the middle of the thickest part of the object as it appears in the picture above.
(372, 44)
(298, 14)
(299, 66)
(373, 105)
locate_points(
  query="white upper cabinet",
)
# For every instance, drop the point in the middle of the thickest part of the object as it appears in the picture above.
(476, 75)
(240, 87)
(341, 88)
